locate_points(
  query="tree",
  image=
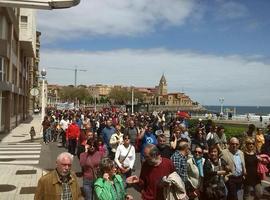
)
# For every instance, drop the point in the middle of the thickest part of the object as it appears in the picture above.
(122, 96)
(70, 93)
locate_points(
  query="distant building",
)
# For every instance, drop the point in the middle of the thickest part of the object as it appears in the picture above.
(160, 96)
(153, 96)
(99, 90)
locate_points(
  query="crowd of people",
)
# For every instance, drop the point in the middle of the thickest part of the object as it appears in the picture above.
(176, 163)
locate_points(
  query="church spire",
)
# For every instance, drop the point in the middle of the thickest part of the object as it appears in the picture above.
(163, 86)
(163, 80)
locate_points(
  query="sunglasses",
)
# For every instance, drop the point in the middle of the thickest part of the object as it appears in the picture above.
(199, 152)
(126, 139)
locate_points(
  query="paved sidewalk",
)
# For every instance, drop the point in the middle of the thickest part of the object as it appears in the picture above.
(21, 132)
(18, 181)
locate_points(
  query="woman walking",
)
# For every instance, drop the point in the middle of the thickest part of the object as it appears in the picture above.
(109, 186)
(89, 162)
(125, 156)
(252, 178)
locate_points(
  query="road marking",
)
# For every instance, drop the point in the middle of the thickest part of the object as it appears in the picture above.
(19, 156)
(19, 148)
(27, 143)
(21, 162)
(20, 152)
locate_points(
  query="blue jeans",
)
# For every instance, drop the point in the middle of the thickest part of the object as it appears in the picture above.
(88, 189)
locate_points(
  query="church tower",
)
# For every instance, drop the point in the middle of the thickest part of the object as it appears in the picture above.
(163, 90)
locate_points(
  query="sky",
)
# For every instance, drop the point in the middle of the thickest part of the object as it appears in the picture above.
(207, 49)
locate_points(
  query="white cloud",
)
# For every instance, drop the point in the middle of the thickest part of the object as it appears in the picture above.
(113, 18)
(240, 80)
(231, 10)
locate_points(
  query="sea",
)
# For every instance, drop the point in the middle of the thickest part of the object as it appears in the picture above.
(240, 110)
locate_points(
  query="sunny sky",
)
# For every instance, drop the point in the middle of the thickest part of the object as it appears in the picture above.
(206, 48)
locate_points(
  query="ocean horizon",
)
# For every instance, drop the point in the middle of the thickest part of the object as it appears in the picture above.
(240, 110)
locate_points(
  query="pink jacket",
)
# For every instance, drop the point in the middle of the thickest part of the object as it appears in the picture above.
(262, 166)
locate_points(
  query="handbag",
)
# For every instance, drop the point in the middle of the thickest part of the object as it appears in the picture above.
(122, 161)
(217, 189)
(138, 144)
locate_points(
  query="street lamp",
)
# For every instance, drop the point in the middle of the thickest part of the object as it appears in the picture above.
(40, 4)
(221, 100)
(132, 99)
(43, 75)
(95, 102)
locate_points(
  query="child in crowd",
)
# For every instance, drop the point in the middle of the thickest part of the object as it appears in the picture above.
(32, 133)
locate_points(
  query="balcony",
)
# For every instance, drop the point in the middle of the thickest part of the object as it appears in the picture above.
(28, 32)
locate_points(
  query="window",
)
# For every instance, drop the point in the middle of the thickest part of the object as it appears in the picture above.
(2, 69)
(24, 19)
(14, 75)
(3, 28)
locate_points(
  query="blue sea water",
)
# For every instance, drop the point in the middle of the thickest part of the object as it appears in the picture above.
(241, 110)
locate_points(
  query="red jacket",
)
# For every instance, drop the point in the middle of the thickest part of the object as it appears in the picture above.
(73, 131)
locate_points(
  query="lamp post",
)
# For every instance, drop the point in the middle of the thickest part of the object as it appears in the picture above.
(43, 75)
(221, 100)
(95, 101)
(132, 99)
(40, 4)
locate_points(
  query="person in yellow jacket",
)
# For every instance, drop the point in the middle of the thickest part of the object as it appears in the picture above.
(259, 139)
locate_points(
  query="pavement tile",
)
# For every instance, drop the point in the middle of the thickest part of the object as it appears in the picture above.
(8, 171)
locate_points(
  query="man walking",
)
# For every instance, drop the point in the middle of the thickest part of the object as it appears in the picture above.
(236, 162)
(60, 183)
(106, 134)
(179, 159)
(153, 170)
(72, 137)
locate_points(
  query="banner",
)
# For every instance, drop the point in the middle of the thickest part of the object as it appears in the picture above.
(65, 106)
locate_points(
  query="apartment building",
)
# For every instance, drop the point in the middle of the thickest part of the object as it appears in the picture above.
(18, 65)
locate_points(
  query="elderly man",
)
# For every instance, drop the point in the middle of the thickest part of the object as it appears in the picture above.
(60, 183)
(164, 149)
(236, 162)
(153, 170)
(179, 159)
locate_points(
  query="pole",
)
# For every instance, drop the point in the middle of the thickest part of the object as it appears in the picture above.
(221, 105)
(95, 100)
(43, 100)
(75, 77)
(132, 100)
